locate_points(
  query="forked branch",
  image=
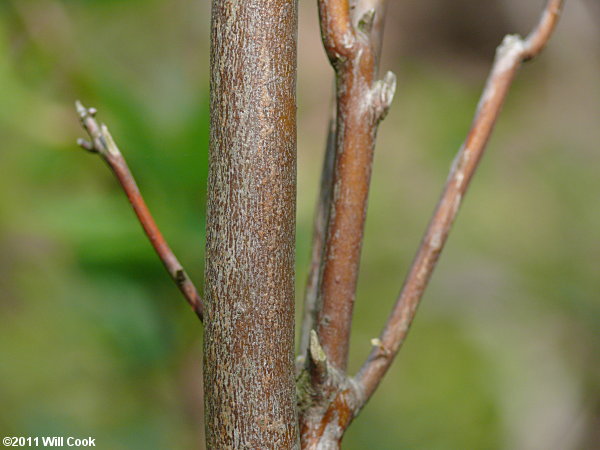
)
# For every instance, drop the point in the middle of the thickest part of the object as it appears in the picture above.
(509, 56)
(351, 34)
(336, 28)
(368, 18)
(103, 144)
(325, 427)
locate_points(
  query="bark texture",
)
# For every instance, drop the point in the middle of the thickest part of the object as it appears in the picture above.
(362, 102)
(250, 399)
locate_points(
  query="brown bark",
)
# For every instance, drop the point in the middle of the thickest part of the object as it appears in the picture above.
(250, 394)
(331, 399)
(368, 16)
(362, 101)
(249, 384)
(351, 35)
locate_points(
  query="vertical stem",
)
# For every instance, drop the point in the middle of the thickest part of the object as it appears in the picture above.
(351, 33)
(355, 142)
(248, 346)
(311, 307)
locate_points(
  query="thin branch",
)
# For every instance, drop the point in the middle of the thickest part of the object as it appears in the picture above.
(351, 34)
(509, 56)
(319, 228)
(368, 15)
(103, 144)
(336, 28)
(362, 101)
(539, 37)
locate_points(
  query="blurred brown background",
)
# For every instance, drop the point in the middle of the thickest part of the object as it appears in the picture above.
(94, 339)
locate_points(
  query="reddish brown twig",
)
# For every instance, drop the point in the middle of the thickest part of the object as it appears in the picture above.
(372, 13)
(311, 292)
(103, 144)
(509, 56)
(362, 102)
(352, 40)
(325, 424)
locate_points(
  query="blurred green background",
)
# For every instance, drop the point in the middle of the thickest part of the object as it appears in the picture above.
(95, 339)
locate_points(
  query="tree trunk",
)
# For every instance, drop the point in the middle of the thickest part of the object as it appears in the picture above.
(250, 399)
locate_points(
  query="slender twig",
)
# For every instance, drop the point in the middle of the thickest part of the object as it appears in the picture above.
(325, 427)
(103, 144)
(368, 16)
(336, 28)
(509, 56)
(319, 228)
(351, 33)
(362, 102)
